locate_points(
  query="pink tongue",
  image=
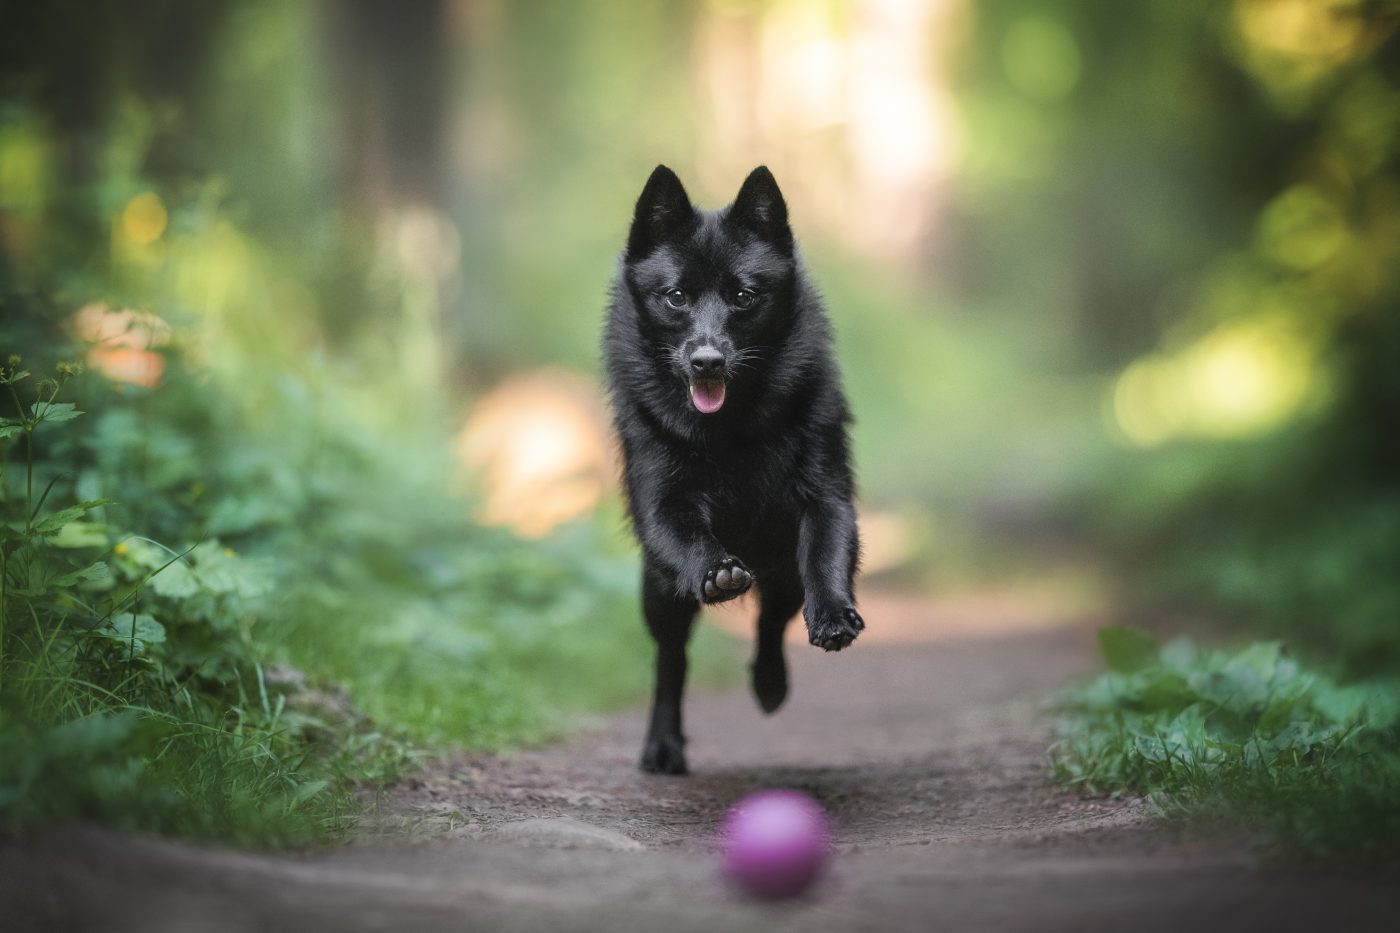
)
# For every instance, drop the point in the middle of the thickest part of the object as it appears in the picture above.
(707, 395)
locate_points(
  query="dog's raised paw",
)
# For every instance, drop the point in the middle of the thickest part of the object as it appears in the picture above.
(832, 631)
(726, 580)
(664, 755)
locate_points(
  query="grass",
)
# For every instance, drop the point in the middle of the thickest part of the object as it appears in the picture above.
(1245, 739)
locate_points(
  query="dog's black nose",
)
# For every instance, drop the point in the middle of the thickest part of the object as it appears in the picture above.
(707, 363)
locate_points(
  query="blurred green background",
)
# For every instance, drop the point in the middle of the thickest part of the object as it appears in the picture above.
(1114, 287)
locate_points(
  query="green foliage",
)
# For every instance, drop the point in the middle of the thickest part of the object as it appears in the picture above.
(1243, 737)
(245, 581)
(316, 611)
(1321, 573)
(1127, 650)
(1264, 536)
(1289, 521)
(126, 668)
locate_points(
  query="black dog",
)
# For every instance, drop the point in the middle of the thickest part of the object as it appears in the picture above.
(733, 427)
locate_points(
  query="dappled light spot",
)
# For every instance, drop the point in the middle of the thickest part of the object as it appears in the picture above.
(218, 268)
(1146, 401)
(538, 448)
(426, 242)
(1041, 58)
(123, 343)
(1238, 380)
(852, 109)
(24, 167)
(1292, 44)
(129, 365)
(1246, 379)
(144, 218)
(1302, 228)
(1365, 126)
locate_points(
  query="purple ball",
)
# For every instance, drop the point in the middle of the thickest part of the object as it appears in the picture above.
(776, 843)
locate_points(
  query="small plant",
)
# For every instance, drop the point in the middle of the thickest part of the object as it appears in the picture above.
(1246, 737)
(24, 557)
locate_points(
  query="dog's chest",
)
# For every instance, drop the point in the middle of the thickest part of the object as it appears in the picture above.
(748, 489)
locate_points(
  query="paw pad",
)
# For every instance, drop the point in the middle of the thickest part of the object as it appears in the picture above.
(725, 581)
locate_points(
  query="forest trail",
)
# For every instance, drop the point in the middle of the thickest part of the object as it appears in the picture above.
(925, 742)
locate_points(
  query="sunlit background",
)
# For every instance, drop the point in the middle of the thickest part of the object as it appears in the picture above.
(1114, 284)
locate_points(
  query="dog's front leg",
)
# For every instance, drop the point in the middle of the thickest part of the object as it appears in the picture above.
(669, 618)
(676, 537)
(684, 566)
(827, 550)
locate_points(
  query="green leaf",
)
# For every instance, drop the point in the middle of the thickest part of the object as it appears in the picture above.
(98, 572)
(1298, 735)
(1187, 732)
(176, 581)
(52, 522)
(145, 629)
(305, 792)
(1167, 691)
(1283, 703)
(1376, 705)
(1127, 650)
(1260, 659)
(149, 630)
(10, 430)
(55, 411)
(1228, 727)
(222, 571)
(1180, 653)
(80, 535)
(1151, 747)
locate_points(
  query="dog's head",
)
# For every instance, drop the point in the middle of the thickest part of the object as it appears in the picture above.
(714, 290)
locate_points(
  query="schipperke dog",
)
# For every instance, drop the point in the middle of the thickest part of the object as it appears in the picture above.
(729, 408)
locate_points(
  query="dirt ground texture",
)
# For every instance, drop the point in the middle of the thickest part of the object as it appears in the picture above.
(925, 742)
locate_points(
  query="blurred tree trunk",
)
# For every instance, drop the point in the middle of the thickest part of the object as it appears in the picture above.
(388, 70)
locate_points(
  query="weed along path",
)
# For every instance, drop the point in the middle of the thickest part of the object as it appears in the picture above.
(925, 742)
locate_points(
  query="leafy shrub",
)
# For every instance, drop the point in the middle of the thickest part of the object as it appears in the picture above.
(218, 625)
(239, 586)
(1320, 573)
(1245, 736)
(126, 667)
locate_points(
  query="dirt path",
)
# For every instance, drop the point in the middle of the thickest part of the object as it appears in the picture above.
(925, 742)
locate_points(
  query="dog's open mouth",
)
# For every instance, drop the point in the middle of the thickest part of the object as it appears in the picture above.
(707, 395)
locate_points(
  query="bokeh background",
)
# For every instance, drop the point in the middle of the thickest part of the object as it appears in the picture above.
(1114, 286)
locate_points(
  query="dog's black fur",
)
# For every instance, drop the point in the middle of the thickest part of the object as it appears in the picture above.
(757, 492)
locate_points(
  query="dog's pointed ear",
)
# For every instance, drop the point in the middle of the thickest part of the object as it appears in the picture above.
(663, 211)
(760, 207)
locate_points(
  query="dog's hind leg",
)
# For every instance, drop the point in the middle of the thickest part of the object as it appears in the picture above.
(781, 597)
(669, 618)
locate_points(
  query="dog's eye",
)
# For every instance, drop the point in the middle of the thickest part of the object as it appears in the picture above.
(676, 298)
(744, 299)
